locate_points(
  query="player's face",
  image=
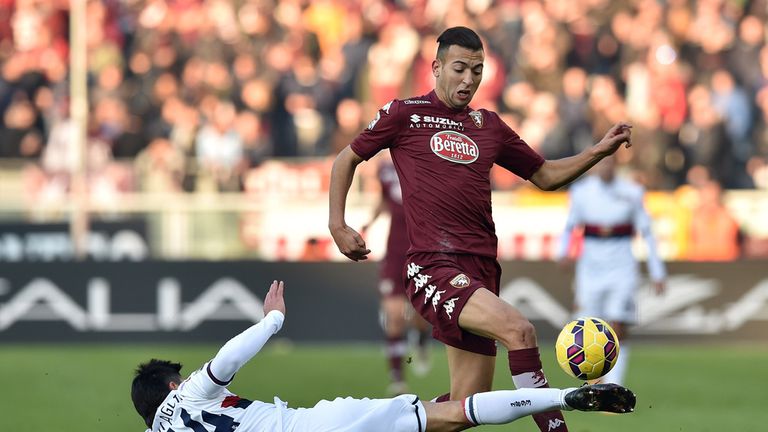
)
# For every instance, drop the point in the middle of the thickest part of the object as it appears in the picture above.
(458, 75)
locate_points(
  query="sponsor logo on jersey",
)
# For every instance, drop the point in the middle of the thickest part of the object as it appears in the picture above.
(460, 281)
(416, 102)
(455, 147)
(477, 118)
(432, 122)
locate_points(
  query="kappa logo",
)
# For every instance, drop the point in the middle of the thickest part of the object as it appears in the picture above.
(554, 424)
(477, 118)
(385, 108)
(460, 281)
(449, 306)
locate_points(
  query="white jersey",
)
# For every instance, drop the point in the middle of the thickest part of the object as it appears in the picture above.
(202, 402)
(607, 272)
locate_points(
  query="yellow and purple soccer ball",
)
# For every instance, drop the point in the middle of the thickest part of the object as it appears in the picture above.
(587, 348)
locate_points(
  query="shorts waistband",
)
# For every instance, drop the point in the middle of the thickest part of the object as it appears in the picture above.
(608, 231)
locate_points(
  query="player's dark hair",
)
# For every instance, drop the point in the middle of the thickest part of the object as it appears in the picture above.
(461, 36)
(150, 386)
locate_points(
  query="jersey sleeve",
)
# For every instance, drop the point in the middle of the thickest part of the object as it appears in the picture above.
(571, 222)
(211, 379)
(656, 268)
(515, 154)
(381, 132)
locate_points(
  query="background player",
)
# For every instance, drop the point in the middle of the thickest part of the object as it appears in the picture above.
(610, 210)
(443, 151)
(202, 403)
(397, 313)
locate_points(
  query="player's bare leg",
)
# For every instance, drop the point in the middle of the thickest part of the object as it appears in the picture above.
(506, 406)
(394, 310)
(446, 416)
(485, 314)
(470, 372)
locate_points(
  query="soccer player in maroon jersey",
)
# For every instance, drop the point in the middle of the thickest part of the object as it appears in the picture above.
(443, 151)
(397, 313)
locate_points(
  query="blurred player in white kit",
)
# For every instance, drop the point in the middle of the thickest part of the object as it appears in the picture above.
(202, 403)
(610, 210)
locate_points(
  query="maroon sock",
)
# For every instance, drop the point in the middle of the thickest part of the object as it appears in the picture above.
(396, 347)
(525, 367)
(442, 398)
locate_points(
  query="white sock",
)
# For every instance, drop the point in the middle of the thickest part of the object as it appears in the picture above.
(619, 371)
(505, 406)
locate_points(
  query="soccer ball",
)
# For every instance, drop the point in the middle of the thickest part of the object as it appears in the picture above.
(587, 348)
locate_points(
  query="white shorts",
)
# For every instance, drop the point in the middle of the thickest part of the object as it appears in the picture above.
(607, 293)
(404, 413)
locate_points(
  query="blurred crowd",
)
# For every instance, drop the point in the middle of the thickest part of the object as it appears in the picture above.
(189, 95)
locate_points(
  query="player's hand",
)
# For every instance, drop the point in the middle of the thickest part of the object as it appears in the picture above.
(350, 243)
(274, 299)
(618, 134)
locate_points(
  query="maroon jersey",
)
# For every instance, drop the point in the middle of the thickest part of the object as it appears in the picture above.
(397, 241)
(443, 157)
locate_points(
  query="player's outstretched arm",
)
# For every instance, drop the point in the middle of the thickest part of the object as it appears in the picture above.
(241, 348)
(554, 174)
(656, 267)
(349, 241)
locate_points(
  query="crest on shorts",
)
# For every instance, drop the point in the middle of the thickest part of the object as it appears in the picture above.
(477, 117)
(460, 281)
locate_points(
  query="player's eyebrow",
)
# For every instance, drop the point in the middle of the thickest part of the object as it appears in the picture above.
(463, 63)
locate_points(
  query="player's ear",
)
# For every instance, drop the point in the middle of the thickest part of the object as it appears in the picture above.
(173, 385)
(436, 68)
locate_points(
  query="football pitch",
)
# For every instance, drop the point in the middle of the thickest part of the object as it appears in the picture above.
(74, 388)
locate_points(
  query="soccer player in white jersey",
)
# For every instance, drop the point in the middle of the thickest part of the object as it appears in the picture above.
(610, 210)
(202, 403)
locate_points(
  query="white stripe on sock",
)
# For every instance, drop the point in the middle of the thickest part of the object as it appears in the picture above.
(530, 379)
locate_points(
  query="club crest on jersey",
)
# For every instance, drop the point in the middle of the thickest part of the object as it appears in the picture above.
(477, 118)
(460, 281)
(455, 147)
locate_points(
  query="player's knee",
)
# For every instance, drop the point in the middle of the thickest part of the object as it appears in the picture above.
(395, 325)
(518, 333)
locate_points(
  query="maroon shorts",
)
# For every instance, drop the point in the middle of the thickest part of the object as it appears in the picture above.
(439, 285)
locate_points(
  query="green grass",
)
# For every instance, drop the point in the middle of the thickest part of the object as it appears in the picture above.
(86, 387)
